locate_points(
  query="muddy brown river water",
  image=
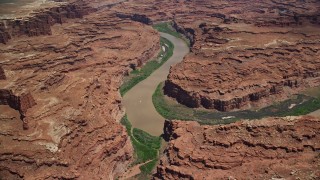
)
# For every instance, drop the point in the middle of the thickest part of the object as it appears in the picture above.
(138, 101)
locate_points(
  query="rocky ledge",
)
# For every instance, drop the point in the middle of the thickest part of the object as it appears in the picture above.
(283, 148)
(20, 103)
(39, 22)
(245, 54)
(66, 85)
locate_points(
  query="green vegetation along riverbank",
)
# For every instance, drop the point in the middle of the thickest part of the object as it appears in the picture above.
(146, 148)
(166, 27)
(139, 75)
(297, 105)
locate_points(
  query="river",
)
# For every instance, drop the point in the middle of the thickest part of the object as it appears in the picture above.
(138, 100)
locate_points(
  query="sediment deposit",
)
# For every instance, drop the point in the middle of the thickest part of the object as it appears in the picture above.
(59, 100)
(285, 148)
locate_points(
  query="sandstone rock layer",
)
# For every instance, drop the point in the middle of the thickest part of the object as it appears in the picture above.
(61, 66)
(62, 71)
(39, 23)
(261, 149)
(245, 54)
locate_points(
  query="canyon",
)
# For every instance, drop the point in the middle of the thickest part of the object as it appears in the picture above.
(228, 67)
(62, 64)
(61, 69)
(246, 54)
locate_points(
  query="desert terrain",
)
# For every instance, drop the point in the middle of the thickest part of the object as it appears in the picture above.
(271, 148)
(60, 107)
(243, 54)
(62, 64)
(246, 54)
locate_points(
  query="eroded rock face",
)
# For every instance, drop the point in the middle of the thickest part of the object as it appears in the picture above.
(136, 17)
(244, 53)
(20, 103)
(74, 69)
(2, 74)
(74, 76)
(261, 149)
(40, 23)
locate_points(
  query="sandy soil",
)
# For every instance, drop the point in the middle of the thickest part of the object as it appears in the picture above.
(133, 171)
(316, 113)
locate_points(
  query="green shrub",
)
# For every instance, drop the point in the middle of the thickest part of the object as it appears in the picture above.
(169, 110)
(145, 146)
(137, 76)
(166, 27)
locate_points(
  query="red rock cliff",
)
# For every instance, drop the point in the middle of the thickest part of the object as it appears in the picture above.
(260, 149)
(229, 68)
(20, 103)
(74, 76)
(40, 23)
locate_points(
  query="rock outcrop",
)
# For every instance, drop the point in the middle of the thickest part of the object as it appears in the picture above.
(72, 67)
(230, 69)
(39, 23)
(244, 53)
(2, 74)
(136, 17)
(74, 76)
(285, 148)
(20, 103)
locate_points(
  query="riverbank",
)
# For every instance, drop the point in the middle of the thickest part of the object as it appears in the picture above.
(167, 27)
(138, 101)
(141, 74)
(146, 150)
(145, 127)
(300, 104)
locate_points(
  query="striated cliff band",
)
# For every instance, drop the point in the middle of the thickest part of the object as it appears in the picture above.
(62, 63)
(272, 148)
(60, 73)
(244, 53)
